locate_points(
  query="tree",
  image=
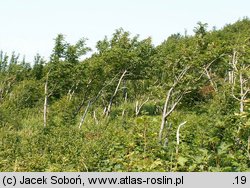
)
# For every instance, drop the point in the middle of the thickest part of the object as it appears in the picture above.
(63, 64)
(59, 49)
(240, 79)
(38, 68)
(239, 62)
(74, 52)
(123, 53)
(173, 97)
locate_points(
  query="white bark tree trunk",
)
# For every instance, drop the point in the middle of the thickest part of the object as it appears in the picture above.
(84, 115)
(139, 106)
(238, 70)
(45, 102)
(91, 101)
(114, 94)
(242, 97)
(169, 108)
(178, 137)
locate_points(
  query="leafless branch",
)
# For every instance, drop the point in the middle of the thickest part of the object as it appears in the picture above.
(114, 94)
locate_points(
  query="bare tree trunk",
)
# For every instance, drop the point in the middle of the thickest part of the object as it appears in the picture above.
(241, 94)
(213, 84)
(248, 147)
(125, 93)
(169, 108)
(138, 107)
(166, 112)
(125, 96)
(94, 115)
(113, 96)
(178, 137)
(123, 113)
(84, 115)
(91, 101)
(104, 111)
(244, 89)
(178, 133)
(208, 74)
(83, 100)
(165, 108)
(233, 64)
(45, 102)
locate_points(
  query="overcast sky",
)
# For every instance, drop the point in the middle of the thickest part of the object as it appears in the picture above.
(29, 26)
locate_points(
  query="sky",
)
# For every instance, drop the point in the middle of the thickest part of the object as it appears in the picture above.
(29, 27)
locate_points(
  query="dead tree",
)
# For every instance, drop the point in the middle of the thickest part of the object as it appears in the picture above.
(95, 118)
(178, 136)
(244, 90)
(108, 109)
(125, 96)
(238, 73)
(232, 63)
(71, 91)
(83, 100)
(171, 102)
(207, 72)
(139, 106)
(91, 101)
(45, 106)
(248, 147)
(85, 113)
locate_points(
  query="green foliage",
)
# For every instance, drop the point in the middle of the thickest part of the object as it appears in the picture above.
(26, 94)
(214, 138)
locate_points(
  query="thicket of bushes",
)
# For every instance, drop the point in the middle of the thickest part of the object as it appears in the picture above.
(104, 113)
